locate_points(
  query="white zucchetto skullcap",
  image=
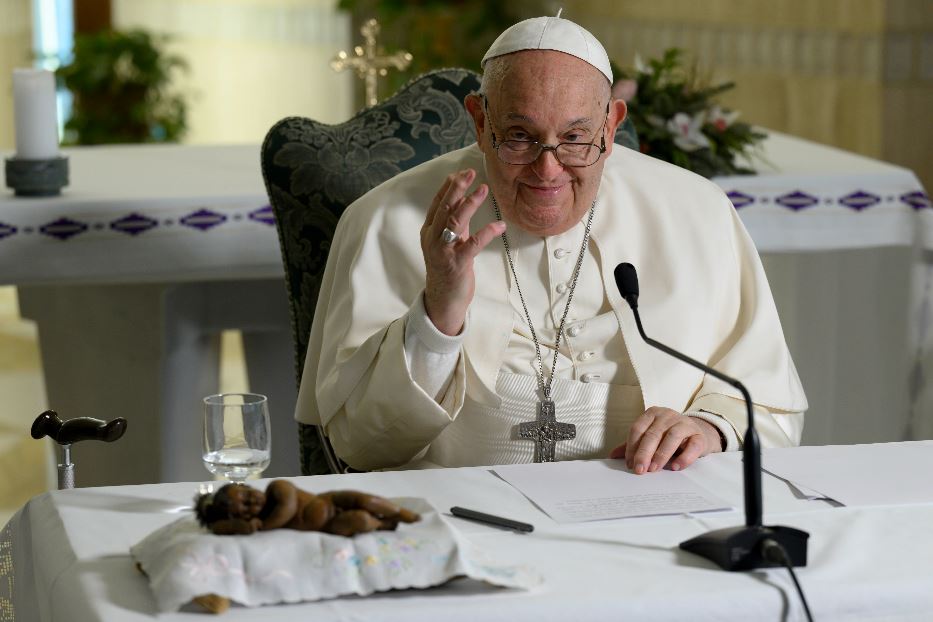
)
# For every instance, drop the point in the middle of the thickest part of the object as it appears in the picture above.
(551, 33)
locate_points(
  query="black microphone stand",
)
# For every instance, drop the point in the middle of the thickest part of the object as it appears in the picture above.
(733, 548)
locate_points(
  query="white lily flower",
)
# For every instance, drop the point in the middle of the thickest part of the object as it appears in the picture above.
(641, 66)
(687, 131)
(625, 89)
(721, 119)
(655, 120)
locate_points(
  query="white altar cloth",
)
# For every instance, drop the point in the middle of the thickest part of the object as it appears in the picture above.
(69, 558)
(144, 213)
(192, 213)
(153, 249)
(131, 274)
(812, 197)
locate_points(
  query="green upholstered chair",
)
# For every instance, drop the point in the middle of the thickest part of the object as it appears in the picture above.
(313, 171)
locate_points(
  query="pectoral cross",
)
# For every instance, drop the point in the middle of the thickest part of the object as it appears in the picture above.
(545, 431)
(367, 62)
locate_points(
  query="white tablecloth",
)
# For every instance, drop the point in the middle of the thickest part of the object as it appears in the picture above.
(154, 249)
(131, 274)
(68, 555)
(176, 213)
(847, 244)
(144, 213)
(811, 197)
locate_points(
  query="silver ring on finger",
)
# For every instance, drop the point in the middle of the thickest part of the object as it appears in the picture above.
(448, 236)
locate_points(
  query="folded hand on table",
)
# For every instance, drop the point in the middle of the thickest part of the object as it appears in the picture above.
(662, 437)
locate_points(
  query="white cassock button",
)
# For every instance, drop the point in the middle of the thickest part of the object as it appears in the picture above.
(560, 253)
(573, 331)
(585, 356)
(561, 288)
(589, 377)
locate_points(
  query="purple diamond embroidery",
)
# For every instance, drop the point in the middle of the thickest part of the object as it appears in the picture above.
(203, 219)
(263, 215)
(739, 199)
(133, 224)
(917, 200)
(797, 200)
(63, 228)
(859, 200)
(6, 230)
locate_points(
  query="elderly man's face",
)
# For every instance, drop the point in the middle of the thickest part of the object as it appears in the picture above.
(550, 97)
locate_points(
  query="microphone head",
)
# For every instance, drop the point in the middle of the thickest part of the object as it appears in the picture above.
(627, 282)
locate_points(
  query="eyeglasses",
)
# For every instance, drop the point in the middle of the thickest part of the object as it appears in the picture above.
(523, 152)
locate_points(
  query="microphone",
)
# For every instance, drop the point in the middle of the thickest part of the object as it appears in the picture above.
(732, 548)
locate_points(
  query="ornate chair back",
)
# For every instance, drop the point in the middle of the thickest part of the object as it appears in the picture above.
(313, 171)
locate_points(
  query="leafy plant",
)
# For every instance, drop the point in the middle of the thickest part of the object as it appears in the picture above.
(678, 120)
(120, 81)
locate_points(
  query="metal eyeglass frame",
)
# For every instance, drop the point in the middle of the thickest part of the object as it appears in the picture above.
(542, 147)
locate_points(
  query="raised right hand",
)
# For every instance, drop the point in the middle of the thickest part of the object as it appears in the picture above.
(450, 282)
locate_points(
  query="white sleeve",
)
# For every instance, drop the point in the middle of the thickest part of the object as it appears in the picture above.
(430, 354)
(727, 433)
(776, 428)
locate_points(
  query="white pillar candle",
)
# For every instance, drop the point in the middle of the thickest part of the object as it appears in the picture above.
(35, 113)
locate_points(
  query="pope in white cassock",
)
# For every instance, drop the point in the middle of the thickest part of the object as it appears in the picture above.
(469, 314)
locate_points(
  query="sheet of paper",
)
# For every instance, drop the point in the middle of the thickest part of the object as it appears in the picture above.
(881, 474)
(571, 492)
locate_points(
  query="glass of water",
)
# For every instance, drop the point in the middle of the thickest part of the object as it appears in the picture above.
(237, 432)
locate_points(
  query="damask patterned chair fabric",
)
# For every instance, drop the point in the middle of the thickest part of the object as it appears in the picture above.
(313, 171)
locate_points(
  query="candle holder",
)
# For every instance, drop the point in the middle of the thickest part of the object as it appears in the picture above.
(37, 178)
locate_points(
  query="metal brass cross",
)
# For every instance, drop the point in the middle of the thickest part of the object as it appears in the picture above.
(545, 431)
(367, 62)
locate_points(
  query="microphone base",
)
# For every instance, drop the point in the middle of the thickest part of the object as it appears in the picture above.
(740, 548)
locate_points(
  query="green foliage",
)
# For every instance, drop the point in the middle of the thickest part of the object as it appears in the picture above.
(438, 33)
(120, 82)
(668, 97)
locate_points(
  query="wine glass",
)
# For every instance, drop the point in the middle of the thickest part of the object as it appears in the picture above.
(237, 439)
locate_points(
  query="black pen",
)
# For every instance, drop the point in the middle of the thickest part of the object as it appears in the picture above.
(489, 519)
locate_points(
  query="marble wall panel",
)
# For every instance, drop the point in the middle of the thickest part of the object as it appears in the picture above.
(253, 62)
(15, 45)
(857, 74)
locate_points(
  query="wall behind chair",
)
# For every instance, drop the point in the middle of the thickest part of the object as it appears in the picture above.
(856, 74)
(15, 46)
(252, 62)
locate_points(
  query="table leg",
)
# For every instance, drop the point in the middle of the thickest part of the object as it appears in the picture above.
(921, 340)
(101, 357)
(150, 352)
(269, 364)
(844, 315)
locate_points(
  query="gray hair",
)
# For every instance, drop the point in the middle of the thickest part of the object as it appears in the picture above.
(493, 73)
(497, 67)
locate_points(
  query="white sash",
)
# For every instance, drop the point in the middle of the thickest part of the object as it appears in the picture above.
(488, 435)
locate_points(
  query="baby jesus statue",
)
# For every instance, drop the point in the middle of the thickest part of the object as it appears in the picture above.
(241, 509)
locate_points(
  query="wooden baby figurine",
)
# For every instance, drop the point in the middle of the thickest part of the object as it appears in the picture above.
(241, 509)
